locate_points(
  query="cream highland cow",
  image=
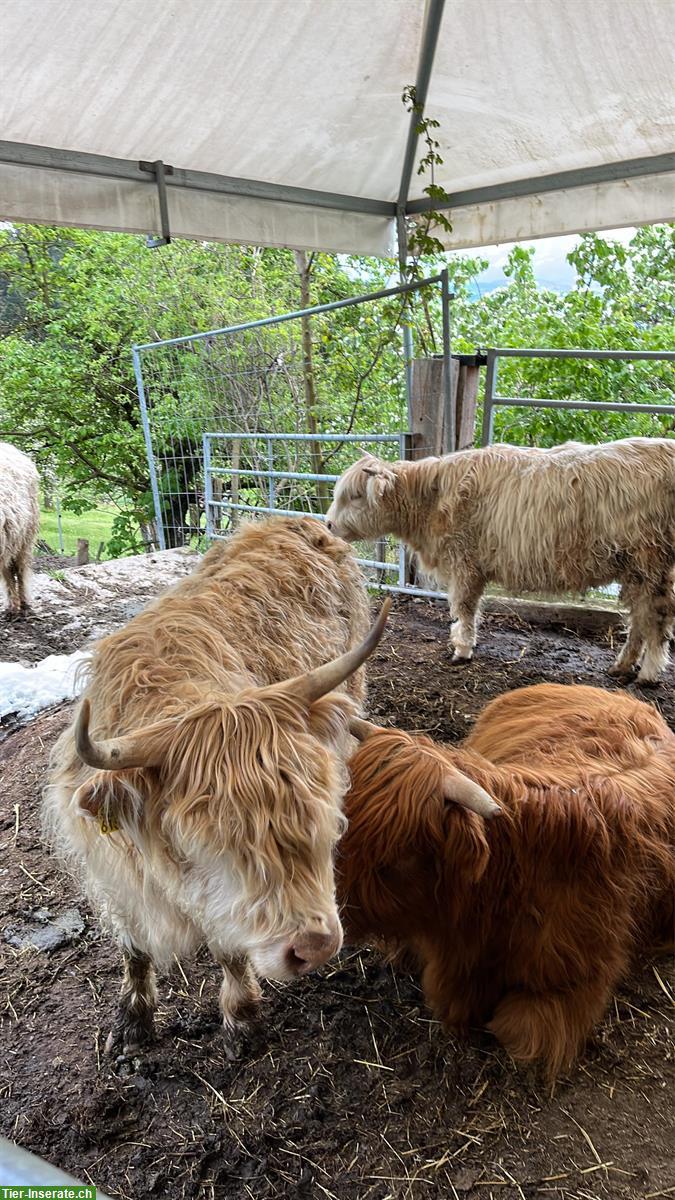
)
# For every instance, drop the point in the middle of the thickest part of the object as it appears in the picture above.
(19, 522)
(565, 519)
(197, 795)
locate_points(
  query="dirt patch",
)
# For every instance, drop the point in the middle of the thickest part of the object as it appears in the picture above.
(348, 1089)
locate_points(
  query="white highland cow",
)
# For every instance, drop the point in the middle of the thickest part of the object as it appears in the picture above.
(19, 521)
(565, 519)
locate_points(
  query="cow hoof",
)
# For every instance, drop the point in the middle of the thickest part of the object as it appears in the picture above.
(618, 672)
(461, 660)
(129, 1064)
(237, 1038)
(125, 1042)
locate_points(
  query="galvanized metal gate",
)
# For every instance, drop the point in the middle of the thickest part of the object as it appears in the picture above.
(493, 400)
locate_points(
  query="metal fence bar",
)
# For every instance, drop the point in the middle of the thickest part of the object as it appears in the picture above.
(208, 484)
(269, 474)
(590, 405)
(378, 564)
(668, 355)
(403, 449)
(265, 322)
(264, 508)
(311, 437)
(148, 448)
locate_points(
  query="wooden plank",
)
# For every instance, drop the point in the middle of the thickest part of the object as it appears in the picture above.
(467, 403)
(428, 406)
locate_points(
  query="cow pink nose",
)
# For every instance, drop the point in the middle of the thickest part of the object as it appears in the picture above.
(311, 949)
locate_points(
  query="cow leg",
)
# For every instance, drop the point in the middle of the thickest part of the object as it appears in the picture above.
(652, 612)
(631, 651)
(659, 612)
(240, 992)
(448, 994)
(138, 1000)
(552, 1026)
(464, 600)
(13, 601)
(22, 567)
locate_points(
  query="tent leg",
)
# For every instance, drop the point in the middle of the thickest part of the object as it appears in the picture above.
(407, 331)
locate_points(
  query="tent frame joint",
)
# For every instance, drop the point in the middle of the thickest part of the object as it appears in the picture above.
(160, 170)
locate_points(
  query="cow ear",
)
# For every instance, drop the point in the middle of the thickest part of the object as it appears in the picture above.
(467, 850)
(89, 798)
(101, 799)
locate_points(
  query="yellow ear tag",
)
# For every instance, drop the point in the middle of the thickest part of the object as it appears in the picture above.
(106, 827)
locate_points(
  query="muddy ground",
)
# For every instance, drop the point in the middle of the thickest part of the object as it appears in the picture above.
(347, 1089)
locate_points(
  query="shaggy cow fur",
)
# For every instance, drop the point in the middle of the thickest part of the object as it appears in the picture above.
(222, 806)
(565, 519)
(525, 923)
(19, 522)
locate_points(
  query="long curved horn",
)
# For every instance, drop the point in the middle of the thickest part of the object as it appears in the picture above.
(362, 730)
(465, 792)
(142, 748)
(146, 747)
(314, 684)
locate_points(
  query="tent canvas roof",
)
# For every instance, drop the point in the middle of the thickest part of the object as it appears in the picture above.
(284, 124)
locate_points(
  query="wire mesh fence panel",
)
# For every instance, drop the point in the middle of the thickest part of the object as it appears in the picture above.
(338, 368)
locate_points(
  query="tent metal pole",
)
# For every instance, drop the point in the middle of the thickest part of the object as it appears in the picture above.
(632, 168)
(105, 167)
(427, 51)
(426, 62)
(448, 400)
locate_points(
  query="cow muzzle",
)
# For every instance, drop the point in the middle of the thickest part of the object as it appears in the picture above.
(341, 531)
(311, 948)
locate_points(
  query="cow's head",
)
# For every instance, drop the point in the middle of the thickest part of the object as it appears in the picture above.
(244, 796)
(406, 835)
(362, 507)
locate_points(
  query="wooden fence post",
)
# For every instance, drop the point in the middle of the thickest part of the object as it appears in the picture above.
(427, 403)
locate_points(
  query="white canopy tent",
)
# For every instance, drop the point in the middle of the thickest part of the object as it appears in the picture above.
(280, 122)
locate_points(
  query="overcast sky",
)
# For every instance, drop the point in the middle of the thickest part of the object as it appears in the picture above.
(550, 265)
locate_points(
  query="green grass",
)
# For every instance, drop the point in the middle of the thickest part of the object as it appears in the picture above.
(96, 525)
